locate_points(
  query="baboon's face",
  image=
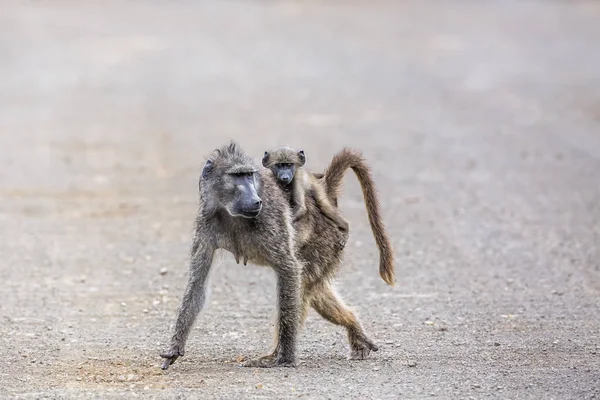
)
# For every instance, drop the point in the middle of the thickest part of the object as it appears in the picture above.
(235, 188)
(284, 172)
(241, 197)
(283, 161)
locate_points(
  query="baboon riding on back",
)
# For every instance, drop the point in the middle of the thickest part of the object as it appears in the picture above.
(243, 210)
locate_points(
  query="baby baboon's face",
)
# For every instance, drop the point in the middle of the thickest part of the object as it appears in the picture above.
(283, 161)
(284, 172)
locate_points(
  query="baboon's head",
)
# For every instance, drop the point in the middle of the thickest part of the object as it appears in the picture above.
(284, 161)
(229, 181)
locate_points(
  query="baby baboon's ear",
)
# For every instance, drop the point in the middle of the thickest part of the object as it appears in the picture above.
(208, 167)
(265, 159)
(302, 157)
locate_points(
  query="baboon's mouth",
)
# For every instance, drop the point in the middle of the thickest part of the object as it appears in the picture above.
(250, 213)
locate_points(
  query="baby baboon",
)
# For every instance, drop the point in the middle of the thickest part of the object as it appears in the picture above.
(287, 165)
(242, 210)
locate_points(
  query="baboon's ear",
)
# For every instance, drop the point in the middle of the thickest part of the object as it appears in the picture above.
(265, 159)
(302, 157)
(208, 167)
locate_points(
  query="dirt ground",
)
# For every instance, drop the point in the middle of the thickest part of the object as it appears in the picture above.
(481, 121)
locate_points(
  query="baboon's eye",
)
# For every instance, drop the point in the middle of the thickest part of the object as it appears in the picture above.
(243, 174)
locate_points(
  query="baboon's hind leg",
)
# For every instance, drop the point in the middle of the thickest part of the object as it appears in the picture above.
(331, 307)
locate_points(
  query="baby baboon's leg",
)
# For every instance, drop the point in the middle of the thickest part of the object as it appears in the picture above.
(327, 208)
(331, 307)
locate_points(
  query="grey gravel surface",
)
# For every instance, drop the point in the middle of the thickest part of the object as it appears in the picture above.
(481, 121)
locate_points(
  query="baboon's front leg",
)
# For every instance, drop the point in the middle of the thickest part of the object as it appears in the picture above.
(192, 302)
(269, 358)
(289, 302)
(331, 307)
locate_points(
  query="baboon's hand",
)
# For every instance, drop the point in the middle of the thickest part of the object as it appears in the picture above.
(173, 354)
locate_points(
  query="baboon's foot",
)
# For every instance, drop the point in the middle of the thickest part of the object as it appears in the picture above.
(173, 354)
(269, 361)
(361, 347)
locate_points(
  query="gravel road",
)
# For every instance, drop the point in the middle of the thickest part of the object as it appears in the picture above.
(481, 121)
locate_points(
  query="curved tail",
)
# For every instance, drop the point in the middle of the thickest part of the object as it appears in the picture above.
(334, 175)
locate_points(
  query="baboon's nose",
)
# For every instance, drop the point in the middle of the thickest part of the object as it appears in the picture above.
(258, 203)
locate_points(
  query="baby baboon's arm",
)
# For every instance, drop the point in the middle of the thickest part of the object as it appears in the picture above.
(193, 299)
(298, 197)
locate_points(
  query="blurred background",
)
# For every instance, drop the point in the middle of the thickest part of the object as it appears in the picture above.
(480, 120)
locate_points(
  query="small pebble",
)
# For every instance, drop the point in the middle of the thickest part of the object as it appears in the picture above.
(163, 271)
(258, 386)
(412, 363)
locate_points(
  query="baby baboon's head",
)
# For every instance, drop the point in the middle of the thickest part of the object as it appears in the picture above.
(284, 161)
